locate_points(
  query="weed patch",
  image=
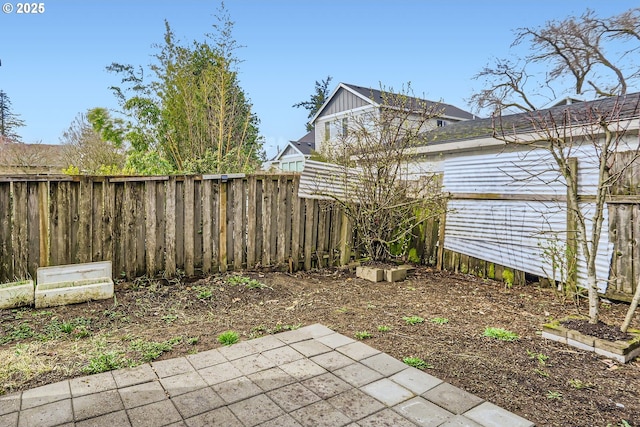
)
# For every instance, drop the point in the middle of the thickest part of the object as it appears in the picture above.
(500, 334)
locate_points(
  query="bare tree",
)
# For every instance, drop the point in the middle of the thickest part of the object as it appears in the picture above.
(86, 152)
(383, 196)
(580, 50)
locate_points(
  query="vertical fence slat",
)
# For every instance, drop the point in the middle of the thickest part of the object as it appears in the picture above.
(281, 216)
(20, 218)
(6, 251)
(170, 227)
(222, 227)
(197, 224)
(239, 225)
(207, 243)
(189, 225)
(252, 218)
(295, 225)
(267, 217)
(308, 232)
(150, 227)
(97, 215)
(33, 229)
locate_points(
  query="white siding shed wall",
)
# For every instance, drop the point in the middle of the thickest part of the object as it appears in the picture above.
(514, 233)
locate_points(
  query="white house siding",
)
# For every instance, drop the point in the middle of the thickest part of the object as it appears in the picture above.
(513, 233)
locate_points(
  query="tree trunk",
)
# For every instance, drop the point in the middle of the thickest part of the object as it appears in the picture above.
(593, 297)
(632, 309)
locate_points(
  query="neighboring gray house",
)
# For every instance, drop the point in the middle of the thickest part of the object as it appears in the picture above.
(294, 155)
(348, 102)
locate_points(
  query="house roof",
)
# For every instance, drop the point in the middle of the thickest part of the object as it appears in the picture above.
(20, 155)
(304, 146)
(628, 107)
(377, 98)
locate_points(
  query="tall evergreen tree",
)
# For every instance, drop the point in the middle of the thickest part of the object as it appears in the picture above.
(9, 121)
(316, 100)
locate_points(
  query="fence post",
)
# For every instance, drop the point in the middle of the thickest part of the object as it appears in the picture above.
(345, 247)
(223, 226)
(441, 230)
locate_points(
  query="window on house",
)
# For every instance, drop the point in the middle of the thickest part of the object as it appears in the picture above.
(327, 131)
(441, 123)
(345, 127)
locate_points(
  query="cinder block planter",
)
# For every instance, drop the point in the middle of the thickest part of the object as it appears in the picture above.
(376, 274)
(621, 351)
(16, 294)
(75, 283)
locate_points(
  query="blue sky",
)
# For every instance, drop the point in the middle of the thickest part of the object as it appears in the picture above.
(53, 64)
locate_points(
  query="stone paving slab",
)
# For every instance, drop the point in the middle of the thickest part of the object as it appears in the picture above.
(309, 377)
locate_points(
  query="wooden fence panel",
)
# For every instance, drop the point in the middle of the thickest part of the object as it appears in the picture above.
(150, 225)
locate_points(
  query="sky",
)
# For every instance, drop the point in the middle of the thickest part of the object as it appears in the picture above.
(53, 63)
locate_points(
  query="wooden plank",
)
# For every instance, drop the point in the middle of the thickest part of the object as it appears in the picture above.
(108, 226)
(222, 227)
(179, 219)
(230, 222)
(295, 225)
(273, 235)
(54, 222)
(197, 223)
(259, 220)
(321, 235)
(252, 218)
(74, 221)
(207, 244)
(150, 227)
(97, 214)
(6, 248)
(346, 238)
(215, 226)
(238, 222)
(20, 230)
(129, 232)
(189, 226)
(160, 212)
(441, 235)
(281, 226)
(170, 228)
(288, 218)
(308, 232)
(623, 247)
(43, 217)
(267, 194)
(84, 242)
(33, 229)
(139, 228)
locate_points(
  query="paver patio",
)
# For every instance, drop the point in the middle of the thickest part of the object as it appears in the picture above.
(312, 376)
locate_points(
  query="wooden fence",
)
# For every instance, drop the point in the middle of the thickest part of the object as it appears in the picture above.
(158, 225)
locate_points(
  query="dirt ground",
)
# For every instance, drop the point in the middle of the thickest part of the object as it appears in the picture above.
(546, 382)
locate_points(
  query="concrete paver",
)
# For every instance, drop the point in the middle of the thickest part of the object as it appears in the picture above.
(311, 376)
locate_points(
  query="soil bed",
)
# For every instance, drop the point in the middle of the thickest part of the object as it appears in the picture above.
(599, 330)
(544, 381)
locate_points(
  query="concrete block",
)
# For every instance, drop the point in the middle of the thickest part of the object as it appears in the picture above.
(16, 294)
(74, 283)
(370, 273)
(395, 274)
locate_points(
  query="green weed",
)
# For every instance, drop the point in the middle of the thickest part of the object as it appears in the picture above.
(541, 358)
(22, 332)
(413, 320)
(554, 395)
(228, 338)
(106, 361)
(150, 350)
(417, 363)
(500, 334)
(384, 328)
(362, 335)
(202, 292)
(579, 385)
(440, 320)
(247, 282)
